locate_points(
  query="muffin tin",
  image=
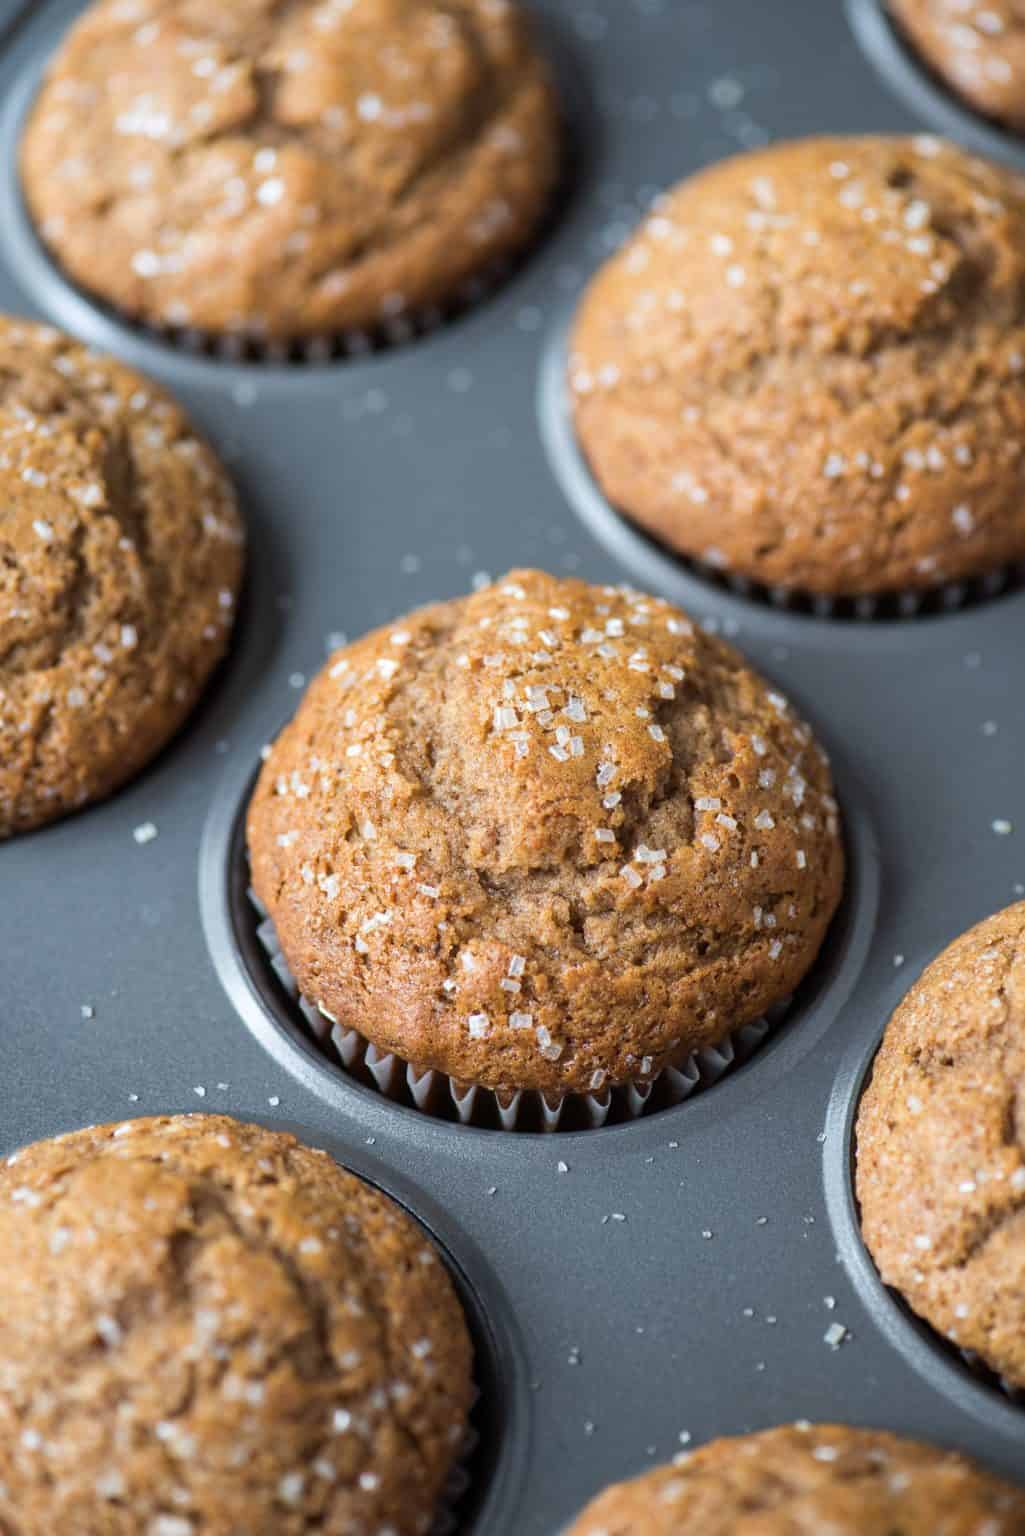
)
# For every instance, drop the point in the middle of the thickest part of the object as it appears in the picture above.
(918, 86)
(641, 1285)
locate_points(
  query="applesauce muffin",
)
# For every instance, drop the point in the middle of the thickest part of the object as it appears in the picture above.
(120, 561)
(210, 1328)
(549, 837)
(289, 171)
(976, 46)
(941, 1146)
(807, 368)
(805, 1479)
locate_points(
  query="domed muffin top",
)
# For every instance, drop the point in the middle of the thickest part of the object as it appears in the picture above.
(120, 559)
(977, 46)
(808, 367)
(208, 1327)
(289, 171)
(547, 836)
(941, 1145)
(805, 1479)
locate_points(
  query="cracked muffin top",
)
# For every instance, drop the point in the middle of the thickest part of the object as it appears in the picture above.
(804, 1480)
(120, 560)
(290, 171)
(550, 836)
(808, 367)
(941, 1145)
(209, 1328)
(976, 46)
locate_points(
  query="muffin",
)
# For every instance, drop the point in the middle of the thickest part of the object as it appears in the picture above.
(976, 46)
(289, 171)
(208, 1327)
(548, 837)
(804, 1480)
(941, 1150)
(121, 549)
(807, 368)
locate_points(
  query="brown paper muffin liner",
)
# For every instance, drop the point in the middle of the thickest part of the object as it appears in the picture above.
(448, 1517)
(433, 1093)
(395, 331)
(987, 1377)
(948, 597)
(575, 474)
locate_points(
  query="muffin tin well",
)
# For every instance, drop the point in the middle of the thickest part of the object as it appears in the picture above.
(915, 84)
(965, 1381)
(484, 1483)
(104, 326)
(673, 1278)
(652, 564)
(247, 958)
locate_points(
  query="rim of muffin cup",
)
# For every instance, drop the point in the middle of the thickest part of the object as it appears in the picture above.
(923, 90)
(957, 1374)
(87, 313)
(256, 977)
(688, 580)
(485, 1476)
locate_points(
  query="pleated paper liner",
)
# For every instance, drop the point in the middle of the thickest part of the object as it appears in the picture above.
(657, 565)
(433, 1093)
(449, 1518)
(947, 598)
(924, 602)
(980, 1372)
(250, 348)
(397, 330)
(988, 1377)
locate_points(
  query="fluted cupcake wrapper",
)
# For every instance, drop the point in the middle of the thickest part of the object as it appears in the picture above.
(447, 1519)
(945, 597)
(336, 346)
(433, 1093)
(989, 1378)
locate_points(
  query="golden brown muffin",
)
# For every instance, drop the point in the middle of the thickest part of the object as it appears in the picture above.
(289, 171)
(209, 1329)
(550, 836)
(805, 1480)
(976, 46)
(808, 367)
(120, 560)
(941, 1145)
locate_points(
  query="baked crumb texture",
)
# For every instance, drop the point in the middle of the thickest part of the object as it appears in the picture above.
(209, 1328)
(807, 368)
(941, 1146)
(976, 46)
(282, 172)
(120, 562)
(804, 1480)
(550, 837)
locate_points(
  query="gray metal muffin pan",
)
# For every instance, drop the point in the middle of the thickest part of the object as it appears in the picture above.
(641, 1286)
(914, 82)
